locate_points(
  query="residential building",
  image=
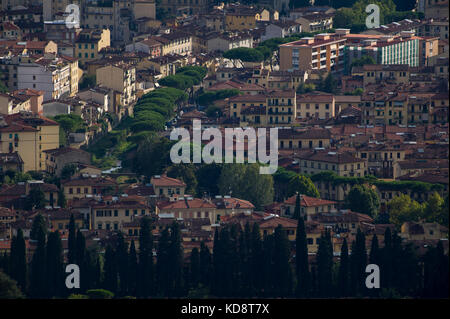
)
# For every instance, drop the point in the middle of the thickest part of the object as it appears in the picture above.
(187, 208)
(57, 76)
(384, 49)
(57, 159)
(90, 42)
(281, 29)
(321, 52)
(148, 46)
(316, 22)
(29, 135)
(120, 77)
(342, 164)
(229, 40)
(175, 42)
(88, 187)
(316, 104)
(113, 215)
(303, 139)
(309, 206)
(166, 186)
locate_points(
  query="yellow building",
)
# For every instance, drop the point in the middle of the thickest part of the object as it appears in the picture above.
(29, 135)
(112, 216)
(304, 139)
(377, 73)
(272, 108)
(309, 206)
(90, 43)
(85, 187)
(167, 186)
(343, 164)
(188, 208)
(316, 105)
(241, 20)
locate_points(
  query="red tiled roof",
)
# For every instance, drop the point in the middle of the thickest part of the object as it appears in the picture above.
(164, 181)
(308, 201)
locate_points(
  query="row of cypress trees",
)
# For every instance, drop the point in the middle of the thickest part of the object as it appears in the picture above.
(243, 264)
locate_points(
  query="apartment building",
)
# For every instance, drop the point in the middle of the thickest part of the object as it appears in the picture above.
(309, 206)
(29, 135)
(281, 29)
(321, 52)
(382, 158)
(384, 108)
(434, 28)
(384, 49)
(113, 215)
(57, 159)
(303, 139)
(316, 22)
(120, 77)
(316, 105)
(90, 43)
(176, 42)
(149, 46)
(166, 186)
(281, 107)
(188, 207)
(222, 42)
(88, 186)
(377, 73)
(9, 104)
(343, 164)
(241, 20)
(56, 76)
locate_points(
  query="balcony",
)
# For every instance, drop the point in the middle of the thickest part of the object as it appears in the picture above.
(271, 112)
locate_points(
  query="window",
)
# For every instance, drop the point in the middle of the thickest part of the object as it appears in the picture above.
(116, 213)
(127, 212)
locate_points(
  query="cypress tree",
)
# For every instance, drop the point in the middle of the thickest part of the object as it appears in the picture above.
(110, 270)
(81, 259)
(39, 225)
(297, 213)
(343, 280)
(234, 262)
(301, 258)
(162, 263)
(176, 260)
(225, 267)
(374, 256)
(324, 265)
(18, 262)
(256, 260)
(216, 265)
(38, 279)
(133, 268)
(281, 266)
(443, 271)
(387, 260)
(72, 241)
(194, 270)
(358, 263)
(145, 266)
(268, 279)
(122, 263)
(205, 265)
(80, 249)
(54, 264)
(245, 261)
